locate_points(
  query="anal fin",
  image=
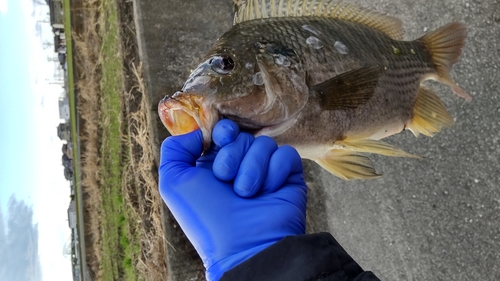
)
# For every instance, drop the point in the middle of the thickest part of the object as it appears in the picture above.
(429, 114)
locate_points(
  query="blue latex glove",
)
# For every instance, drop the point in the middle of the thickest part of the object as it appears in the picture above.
(241, 197)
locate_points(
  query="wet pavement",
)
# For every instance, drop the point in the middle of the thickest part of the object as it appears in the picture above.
(432, 219)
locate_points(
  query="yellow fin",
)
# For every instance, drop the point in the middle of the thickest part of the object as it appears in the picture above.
(429, 114)
(445, 47)
(259, 9)
(372, 146)
(348, 165)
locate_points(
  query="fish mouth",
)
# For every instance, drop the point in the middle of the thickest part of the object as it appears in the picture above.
(183, 113)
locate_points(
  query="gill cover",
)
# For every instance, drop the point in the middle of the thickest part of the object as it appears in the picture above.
(279, 93)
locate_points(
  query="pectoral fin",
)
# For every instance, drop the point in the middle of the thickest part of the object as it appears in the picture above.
(349, 90)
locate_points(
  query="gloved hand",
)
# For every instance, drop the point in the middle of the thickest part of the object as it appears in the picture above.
(239, 198)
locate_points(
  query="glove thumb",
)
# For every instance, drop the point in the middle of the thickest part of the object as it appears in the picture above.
(180, 152)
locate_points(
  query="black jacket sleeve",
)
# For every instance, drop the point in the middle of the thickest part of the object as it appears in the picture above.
(304, 257)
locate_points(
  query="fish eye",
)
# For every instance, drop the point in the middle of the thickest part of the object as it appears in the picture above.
(222, 64)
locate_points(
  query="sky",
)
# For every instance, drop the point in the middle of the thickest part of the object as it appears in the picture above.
(30, 150)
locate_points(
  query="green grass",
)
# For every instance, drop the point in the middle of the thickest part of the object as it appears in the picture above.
(74, 128)
(119, 249)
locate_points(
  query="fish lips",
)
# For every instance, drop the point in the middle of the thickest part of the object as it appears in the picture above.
(185, 112)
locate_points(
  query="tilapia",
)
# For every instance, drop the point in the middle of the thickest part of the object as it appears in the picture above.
(330, 79)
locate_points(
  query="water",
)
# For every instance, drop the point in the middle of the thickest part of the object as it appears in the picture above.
(282, 60)
(341, 48)
(311, 29)
(314, 42)
(258, 79)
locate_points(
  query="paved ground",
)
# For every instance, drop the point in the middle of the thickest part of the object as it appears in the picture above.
(431, 219)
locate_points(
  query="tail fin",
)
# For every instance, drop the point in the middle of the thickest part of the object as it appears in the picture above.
(445, 47)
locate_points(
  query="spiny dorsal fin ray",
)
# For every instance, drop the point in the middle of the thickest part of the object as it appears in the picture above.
(259, 9)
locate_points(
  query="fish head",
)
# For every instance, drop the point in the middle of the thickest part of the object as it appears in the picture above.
(220, 78)
(243, 84)
(183, 113)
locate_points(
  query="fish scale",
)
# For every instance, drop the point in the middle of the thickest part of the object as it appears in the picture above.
(329, 79)
(405, 70)
(369, 47)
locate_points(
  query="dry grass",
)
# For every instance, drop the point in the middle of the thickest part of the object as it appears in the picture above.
(143, 195)
(141, 200)
(87, 50)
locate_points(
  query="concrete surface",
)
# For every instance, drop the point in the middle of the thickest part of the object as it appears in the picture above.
(172, 35)
(431, 219)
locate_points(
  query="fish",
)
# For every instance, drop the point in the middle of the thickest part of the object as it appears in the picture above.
(329, 78)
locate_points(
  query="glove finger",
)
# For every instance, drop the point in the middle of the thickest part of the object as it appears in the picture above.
(253, 169)
(179, 153)
(225, 132)
(207, 159)
(227, 161)
(285, 167)
(183, 149)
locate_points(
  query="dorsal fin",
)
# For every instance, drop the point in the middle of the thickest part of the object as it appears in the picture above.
(260, 9)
